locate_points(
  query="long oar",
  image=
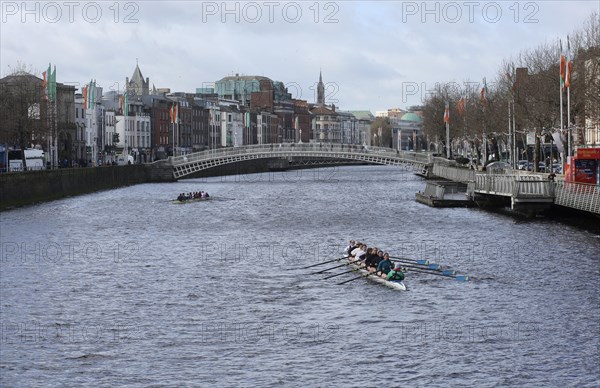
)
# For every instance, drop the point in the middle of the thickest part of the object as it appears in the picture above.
(460, 278)
(356, 278)
(325, 262)
(404, 259)
(325, 270)
(342, 273)
(433, 266)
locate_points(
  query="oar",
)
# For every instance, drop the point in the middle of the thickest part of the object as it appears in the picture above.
(325, 270)
(460, 278)
(433, 267)
(325, 262)
(436, 267)
(342, 273)
(356, 278)
(402, 259)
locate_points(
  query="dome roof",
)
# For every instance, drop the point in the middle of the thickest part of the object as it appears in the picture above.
(412, 117)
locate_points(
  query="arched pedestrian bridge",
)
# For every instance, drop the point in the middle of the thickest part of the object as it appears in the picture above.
(199, 161)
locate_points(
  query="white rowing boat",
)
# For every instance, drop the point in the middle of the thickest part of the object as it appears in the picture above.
(391, 284)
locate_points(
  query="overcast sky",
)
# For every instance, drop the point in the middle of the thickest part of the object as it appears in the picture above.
(374, 55)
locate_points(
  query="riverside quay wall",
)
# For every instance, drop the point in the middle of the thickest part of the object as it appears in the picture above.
(26, 188)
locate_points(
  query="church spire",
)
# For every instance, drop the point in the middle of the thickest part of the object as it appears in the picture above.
(320, 90)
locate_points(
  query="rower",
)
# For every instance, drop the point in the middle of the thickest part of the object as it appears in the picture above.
(396, 275)
(385, 266)
(356, 252)
(372, 262)
(351, 246)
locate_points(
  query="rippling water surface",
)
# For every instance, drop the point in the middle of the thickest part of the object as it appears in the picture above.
(123, 287)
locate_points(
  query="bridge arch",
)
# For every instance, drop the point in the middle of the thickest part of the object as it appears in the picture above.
(204, 160)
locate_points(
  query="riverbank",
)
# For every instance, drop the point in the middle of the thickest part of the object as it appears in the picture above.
(28, 188)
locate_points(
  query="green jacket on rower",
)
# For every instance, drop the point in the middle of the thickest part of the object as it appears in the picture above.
(394, 275)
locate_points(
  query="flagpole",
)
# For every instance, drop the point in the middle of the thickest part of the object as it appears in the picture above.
(509, 125)
(562, 127)
(514, 138)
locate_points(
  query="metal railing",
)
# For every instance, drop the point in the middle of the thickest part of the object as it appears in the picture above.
(421, 157)
(454, 173)
(578, 196)
(190, 163)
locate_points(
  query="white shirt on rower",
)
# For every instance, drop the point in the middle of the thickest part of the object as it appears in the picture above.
(356, 253)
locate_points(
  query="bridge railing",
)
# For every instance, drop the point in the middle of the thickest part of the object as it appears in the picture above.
(577, 195)
(287, 148)
(454, 173)
(499, 184)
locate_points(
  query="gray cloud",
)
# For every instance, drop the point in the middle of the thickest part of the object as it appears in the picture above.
(369, 53)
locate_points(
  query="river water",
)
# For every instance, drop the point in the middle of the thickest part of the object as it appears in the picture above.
(123, 287)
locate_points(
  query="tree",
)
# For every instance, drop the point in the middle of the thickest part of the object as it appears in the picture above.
(385, 138)
(23, 122)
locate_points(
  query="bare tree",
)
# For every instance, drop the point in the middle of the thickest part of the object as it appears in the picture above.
(23, 120)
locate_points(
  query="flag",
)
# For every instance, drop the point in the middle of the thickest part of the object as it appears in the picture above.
(484, 92)
(461, 106)
(85, 96)
(512, 80)
(447, 114)
(173, 113)
(247, 119)
(212, 116)
(92, 94)
(45, 82)
(569, 65)
(53, 85)
(48, 73)
(125, 104)
(563, 66)
(121, 102)
(296, 123)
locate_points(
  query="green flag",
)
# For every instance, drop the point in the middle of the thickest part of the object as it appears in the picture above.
(53, 85)
(48, 80)
(126, 106)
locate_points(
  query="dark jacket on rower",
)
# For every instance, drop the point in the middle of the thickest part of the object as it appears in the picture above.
(372, 261)
(384, 266)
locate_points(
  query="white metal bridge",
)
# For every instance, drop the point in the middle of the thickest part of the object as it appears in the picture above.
(198, 161)
(525, 188)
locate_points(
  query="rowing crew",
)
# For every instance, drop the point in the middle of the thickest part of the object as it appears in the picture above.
(374, 260)
(194, 195)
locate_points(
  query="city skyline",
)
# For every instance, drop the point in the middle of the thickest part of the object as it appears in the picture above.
(372, 56)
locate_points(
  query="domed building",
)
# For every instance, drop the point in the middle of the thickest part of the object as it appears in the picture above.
(407, 134)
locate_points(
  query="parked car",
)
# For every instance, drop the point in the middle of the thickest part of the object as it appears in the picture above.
(556, 168)
(498, 167)
(522, 165)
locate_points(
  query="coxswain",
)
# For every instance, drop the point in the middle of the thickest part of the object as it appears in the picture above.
(396, 275)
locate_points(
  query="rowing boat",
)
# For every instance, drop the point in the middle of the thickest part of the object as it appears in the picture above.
(391, 284)
(191, 200)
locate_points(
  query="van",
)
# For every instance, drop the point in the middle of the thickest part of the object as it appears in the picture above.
(123, 160)
(33, 157)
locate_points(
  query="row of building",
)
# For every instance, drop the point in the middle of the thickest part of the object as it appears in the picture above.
(149, 123)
